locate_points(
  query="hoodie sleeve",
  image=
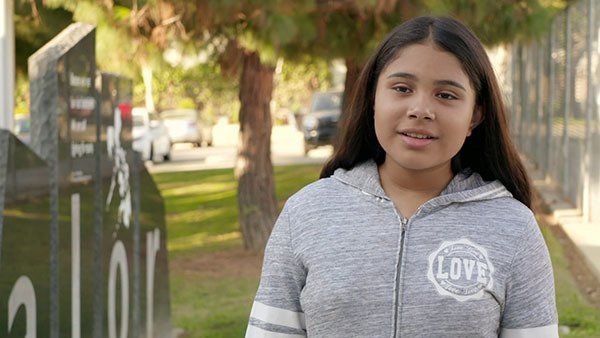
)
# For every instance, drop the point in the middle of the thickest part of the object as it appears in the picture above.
(530, 307)
(276, 311)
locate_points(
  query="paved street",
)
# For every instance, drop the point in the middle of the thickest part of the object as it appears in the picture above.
(286, 148)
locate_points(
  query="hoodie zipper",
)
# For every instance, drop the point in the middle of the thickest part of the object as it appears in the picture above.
(403, 225)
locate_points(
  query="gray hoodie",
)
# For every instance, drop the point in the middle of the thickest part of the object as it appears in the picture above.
(342, 262)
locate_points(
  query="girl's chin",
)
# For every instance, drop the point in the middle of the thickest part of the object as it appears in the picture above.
(418, 164)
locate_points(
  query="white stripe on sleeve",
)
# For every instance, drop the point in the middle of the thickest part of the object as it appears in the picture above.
(550, 331)
(277, 316)
(257, 332)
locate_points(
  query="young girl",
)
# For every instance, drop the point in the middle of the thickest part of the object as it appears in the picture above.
(420, 224)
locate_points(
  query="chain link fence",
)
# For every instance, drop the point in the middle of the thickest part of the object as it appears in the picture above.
(552, 89)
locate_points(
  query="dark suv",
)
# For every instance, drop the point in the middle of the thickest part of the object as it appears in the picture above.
(319, 125)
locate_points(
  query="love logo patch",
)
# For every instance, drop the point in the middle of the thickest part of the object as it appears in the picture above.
(460, 269)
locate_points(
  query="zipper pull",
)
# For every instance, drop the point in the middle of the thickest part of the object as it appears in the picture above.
(403, 221)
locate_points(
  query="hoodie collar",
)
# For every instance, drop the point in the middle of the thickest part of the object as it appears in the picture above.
(466, 186)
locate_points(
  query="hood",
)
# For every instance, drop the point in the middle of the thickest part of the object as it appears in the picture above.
(466, 186)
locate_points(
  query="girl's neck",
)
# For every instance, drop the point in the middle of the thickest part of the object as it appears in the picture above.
(429, 182)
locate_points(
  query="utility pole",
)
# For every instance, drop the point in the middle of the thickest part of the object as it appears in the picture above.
(7, 64)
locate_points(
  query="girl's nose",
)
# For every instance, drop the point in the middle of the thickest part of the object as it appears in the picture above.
(421, 110)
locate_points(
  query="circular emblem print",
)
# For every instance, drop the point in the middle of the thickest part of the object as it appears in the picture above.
(460, 269)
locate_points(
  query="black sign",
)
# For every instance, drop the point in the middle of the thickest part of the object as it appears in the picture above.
(100, 259)
(24, 240)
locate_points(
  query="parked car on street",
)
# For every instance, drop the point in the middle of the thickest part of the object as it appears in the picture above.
(319, 125)
(22, 128)
(187, 126)
(150, 136)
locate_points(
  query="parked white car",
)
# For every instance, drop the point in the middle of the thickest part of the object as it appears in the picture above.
(186, 125)
(150, 136)
(23, 128)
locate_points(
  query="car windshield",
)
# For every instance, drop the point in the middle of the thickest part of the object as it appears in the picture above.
(184, 114)
(326, 101)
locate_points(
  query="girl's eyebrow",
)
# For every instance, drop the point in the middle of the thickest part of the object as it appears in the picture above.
(437, 82)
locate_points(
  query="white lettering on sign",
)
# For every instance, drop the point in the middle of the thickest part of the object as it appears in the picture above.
(75, 266)
(78, 125)
(80, 149)
(82, 103)
(118, 263)
(79, 81)
(152, 247)
(120, 178)
(23, 294)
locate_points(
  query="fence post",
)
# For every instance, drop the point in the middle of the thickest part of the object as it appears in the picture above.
(551, 85)
(523, 96)
(513, 91)
(587, 195)
(539, 105)
(567, 103)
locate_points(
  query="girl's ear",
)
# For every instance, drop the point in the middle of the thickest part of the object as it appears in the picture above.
(475, 119)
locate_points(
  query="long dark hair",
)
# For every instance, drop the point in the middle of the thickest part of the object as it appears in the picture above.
(489, 150)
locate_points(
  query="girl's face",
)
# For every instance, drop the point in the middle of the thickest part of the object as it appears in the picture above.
(424, 108)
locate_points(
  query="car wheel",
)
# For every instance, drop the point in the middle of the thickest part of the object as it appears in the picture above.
(209, 143)
(197, 144)
(152, 155)
(167, 156)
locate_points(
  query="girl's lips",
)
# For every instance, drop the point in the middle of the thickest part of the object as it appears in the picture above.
(416, 143)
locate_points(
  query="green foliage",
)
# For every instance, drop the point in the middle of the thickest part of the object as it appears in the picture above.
(69, 5)
(500, 21)
(21, 95)
(34, 27)
(352, 29)
(304, 33)
(298, 80)
(200, 86)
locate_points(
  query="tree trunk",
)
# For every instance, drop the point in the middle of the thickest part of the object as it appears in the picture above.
(253, 169)
(353, 68)
(147, 78)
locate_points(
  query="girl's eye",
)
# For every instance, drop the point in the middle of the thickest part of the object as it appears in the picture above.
(402, 89)
(447, 96)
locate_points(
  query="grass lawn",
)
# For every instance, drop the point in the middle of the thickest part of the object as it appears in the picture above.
(573, 310)
(213, 280)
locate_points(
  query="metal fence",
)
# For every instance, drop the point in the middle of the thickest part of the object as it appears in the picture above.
(552, 88)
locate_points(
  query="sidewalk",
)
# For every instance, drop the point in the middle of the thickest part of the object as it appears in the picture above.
(287, 148)
(585, 235)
